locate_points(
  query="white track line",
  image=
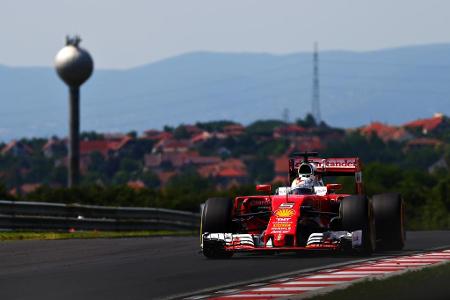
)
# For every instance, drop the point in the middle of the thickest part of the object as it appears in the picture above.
(335, 276)
(361, 272)
(256, 295)
(393, 268)
(298, 282)
(287, 289)
(407, 265)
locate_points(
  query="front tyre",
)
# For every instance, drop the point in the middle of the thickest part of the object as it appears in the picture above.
(389, 219)
(357, 214)
(216, 218)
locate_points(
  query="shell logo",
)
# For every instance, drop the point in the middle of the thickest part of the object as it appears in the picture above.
(285, 212)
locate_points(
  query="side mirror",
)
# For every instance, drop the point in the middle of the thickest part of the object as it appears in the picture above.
(264, 188)
(334, 186)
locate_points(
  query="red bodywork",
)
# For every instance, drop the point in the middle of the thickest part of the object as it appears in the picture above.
(278, 217)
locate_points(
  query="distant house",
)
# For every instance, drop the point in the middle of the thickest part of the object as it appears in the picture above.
(233, 130)
(106, 147)
(287, 131)
(386, 132)
(172, 145)
(281, 169)
(136, 184)
(307, 143)
(55, 147)
(178, 160)
(226, 173)
(420, 143)
(85, 162)
(174, 159)
(156, 135)
(441, 164)
(201, 137)
(436, 123)
(205, 135)
(192, 129)
(17, 148)
(165, 176)
(25, 189)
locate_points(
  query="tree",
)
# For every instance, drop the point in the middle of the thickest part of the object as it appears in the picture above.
(150, 179)
(307, 122)
(4, 194)
(181, 133)
(263, 128)
(214, 126)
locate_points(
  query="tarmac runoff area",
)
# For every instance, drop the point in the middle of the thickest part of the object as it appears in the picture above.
(162, 267)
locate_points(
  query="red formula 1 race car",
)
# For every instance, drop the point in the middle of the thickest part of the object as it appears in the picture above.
(307, 215)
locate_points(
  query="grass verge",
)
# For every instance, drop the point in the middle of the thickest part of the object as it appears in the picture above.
(428, 283)
(28, 235)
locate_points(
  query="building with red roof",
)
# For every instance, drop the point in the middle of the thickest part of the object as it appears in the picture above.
(281, 169)
(136, 184)
(233, 130)
(54, 147)
(290, 130)
(386, 132)
(192, 129)
(423, 143)
(307, 143)
(156, 135)
(17, 148)
(25, 189)
(178, 160)
(428, 125)
(204, 136)
(172, 145)
(226, 173)
(106, 147)
(165, 176)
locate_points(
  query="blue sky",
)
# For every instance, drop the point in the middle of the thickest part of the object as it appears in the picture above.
(123, 34)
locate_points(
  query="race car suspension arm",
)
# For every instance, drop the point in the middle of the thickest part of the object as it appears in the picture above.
(261, 213)
(309, 210)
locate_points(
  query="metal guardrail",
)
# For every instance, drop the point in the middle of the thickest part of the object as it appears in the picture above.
(57, 216)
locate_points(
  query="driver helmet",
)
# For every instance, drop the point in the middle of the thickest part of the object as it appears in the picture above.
(303, 185)
(305, 170)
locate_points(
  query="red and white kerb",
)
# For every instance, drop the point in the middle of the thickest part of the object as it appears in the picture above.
(286, 287)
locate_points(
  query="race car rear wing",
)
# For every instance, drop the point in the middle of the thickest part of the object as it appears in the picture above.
(324, 167)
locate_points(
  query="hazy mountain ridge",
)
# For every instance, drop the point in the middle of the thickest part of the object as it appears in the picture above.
(391, 85)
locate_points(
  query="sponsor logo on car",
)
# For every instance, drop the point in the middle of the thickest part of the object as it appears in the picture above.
(282, 225)
(285, 212)
(283, 220)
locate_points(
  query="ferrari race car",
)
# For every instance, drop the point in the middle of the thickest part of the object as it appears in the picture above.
(306, 215)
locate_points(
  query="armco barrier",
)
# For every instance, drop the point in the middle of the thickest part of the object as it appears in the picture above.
(57, 216)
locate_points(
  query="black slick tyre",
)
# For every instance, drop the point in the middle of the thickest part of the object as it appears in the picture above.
(216, 218)
(357, 214)
(389, 219)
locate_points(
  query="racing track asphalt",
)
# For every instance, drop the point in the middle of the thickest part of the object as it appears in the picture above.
(144, 268)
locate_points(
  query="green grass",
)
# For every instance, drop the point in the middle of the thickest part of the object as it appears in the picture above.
(29, 235)
(428, 283)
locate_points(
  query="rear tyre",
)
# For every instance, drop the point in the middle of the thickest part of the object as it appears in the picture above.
(357, 214)
(389, 221)
(216, 218)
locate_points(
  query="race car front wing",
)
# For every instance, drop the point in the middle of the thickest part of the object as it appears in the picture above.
(329, 240)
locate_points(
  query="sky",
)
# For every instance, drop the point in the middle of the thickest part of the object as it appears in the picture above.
(124, 34)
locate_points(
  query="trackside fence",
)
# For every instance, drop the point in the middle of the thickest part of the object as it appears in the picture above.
(23, 215)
